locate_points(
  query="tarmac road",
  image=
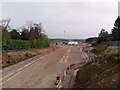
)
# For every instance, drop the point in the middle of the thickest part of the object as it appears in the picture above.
(41, 71)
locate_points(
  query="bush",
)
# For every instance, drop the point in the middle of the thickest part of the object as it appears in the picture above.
(11, 44)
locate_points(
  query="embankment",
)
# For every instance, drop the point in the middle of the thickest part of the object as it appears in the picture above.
(11, 57)
(102, 72)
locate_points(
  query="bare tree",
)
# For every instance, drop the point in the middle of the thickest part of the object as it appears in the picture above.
(5, 24)
(29, 25)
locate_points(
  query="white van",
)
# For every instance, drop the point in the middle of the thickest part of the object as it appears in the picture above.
(72, 43)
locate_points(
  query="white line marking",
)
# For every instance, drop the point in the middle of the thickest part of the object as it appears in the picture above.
(6, 76)
(26, 65)
(65, 61)
(61, 60)
(20, 68)
(41, 57)
(83, 55)
(37, 62)
(17, 70)
(10, 78)
(80, 49)
(67, 56)
(64, 56)
(29, 64)
(86, 55)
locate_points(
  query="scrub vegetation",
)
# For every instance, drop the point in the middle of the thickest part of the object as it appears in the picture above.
(103, 71)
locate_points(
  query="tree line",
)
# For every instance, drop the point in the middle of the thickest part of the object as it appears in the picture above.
(28, 32)
(29, 36)
(104, 36)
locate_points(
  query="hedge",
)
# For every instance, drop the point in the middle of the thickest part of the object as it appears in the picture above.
(12, 44)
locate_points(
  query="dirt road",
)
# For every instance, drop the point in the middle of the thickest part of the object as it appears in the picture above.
(41, 71)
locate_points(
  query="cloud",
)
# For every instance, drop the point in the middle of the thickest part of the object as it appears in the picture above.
(79, 19)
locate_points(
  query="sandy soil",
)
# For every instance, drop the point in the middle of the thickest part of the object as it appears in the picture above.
(13, 57)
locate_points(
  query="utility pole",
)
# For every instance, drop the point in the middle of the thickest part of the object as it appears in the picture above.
(118, 30)
(64, 35)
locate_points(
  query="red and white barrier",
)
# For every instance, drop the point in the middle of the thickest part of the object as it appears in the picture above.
(87, 58)
(66, 72)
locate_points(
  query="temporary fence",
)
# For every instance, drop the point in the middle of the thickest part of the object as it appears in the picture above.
(66, 72)
(72, 67)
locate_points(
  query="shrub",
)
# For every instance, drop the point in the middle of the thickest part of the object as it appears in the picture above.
(11, 44)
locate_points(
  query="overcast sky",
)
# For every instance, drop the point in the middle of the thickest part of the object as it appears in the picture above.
(79, 19)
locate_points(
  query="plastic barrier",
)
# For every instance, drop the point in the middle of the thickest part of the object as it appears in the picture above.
(66, 72)
(73, 67)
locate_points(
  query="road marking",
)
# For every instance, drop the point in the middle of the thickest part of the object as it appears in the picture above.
(66, 56)
(6, 76)
(29, 64)
(20, 68)
(83, 55)
(17, 70)
(61, 60)
(26, 65)
(86, 56)
(42, 57)
(65, 61)
(41, 62)
(10, 78)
